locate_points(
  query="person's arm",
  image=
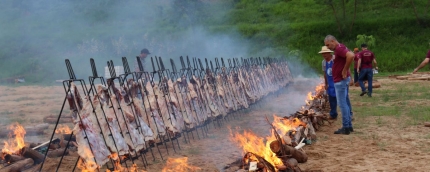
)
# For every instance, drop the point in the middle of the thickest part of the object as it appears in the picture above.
(358, 65)
(425, 61)
(374, 63)
(325, 79)
(349, 58)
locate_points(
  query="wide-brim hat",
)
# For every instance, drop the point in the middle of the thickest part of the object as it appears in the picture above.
(324, 49)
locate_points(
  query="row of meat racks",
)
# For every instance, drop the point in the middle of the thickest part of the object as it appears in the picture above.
(120, 120)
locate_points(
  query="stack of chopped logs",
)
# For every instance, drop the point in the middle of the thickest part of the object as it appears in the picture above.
(30, 157)
(288, 147)
(123, 118)
(425, 76)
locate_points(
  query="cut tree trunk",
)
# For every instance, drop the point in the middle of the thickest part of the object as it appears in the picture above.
(13, 158)
(284, 152)
(19, 166)
(30, 153)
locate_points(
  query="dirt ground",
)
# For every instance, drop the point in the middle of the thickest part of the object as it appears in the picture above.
(369, 148)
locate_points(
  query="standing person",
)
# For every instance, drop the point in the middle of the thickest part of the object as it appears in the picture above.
(355, 65)
(143, 53)
(327, 65)
(341, 77)
(425, 61)
(364, 68)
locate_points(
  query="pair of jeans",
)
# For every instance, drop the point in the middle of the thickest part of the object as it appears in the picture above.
(333, 106)
(366, 73)
(355, 75)
(342, 88)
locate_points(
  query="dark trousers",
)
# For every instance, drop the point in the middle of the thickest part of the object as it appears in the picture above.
(333, 105)
(355, 75)
(366, 73)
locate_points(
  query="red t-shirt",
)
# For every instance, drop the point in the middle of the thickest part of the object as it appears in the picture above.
(356, 60)
(339, 62)
(428, 54)
(366, 57)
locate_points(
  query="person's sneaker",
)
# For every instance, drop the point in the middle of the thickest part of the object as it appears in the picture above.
(342, 131)
(363, 93)
(368, 94)
(351, 129)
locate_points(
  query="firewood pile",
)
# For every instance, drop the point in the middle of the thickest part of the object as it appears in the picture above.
(289, 135)
(123, 118)
(425, 76)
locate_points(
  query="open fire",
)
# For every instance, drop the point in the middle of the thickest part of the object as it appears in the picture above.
(179, 164)
(16, 140)
(282, 149)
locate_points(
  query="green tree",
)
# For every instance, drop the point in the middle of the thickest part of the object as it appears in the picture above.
(364, 39)
(341, 21)
(421, 19)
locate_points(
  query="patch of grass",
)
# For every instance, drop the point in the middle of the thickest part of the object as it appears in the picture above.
(379, 121)
(18, 120)
(7, 112)
(23, 98)
(382, 146)
(22, 115)
(194, 151)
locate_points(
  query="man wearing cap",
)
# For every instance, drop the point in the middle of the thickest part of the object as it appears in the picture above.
(425, 61)
(143, 53)
(364, 68)
(355, 65)
(341, 77)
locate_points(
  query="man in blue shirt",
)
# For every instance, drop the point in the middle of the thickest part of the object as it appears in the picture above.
(327, 65)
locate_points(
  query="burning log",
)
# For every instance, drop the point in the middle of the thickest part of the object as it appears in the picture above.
(19, 165)
(262, 164)
(284, 152)
(12, 158)
(290, 165)
(33, 154)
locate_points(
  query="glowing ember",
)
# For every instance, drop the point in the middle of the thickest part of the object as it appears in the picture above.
(63, 129)
(16, 140)
(179, 165)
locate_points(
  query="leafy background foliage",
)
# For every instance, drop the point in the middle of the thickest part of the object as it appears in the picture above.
(37, 35)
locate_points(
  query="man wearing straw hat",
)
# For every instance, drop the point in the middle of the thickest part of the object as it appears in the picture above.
(327, 65)
(341, 78)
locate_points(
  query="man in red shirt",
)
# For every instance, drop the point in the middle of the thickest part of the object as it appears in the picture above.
(341, 77)
(355, 65)
(364, 68)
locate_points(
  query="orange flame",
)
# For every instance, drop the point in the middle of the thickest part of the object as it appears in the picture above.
(179, 165)
(260, 146)
(63, 129)
(83, 166)
(15, 143)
